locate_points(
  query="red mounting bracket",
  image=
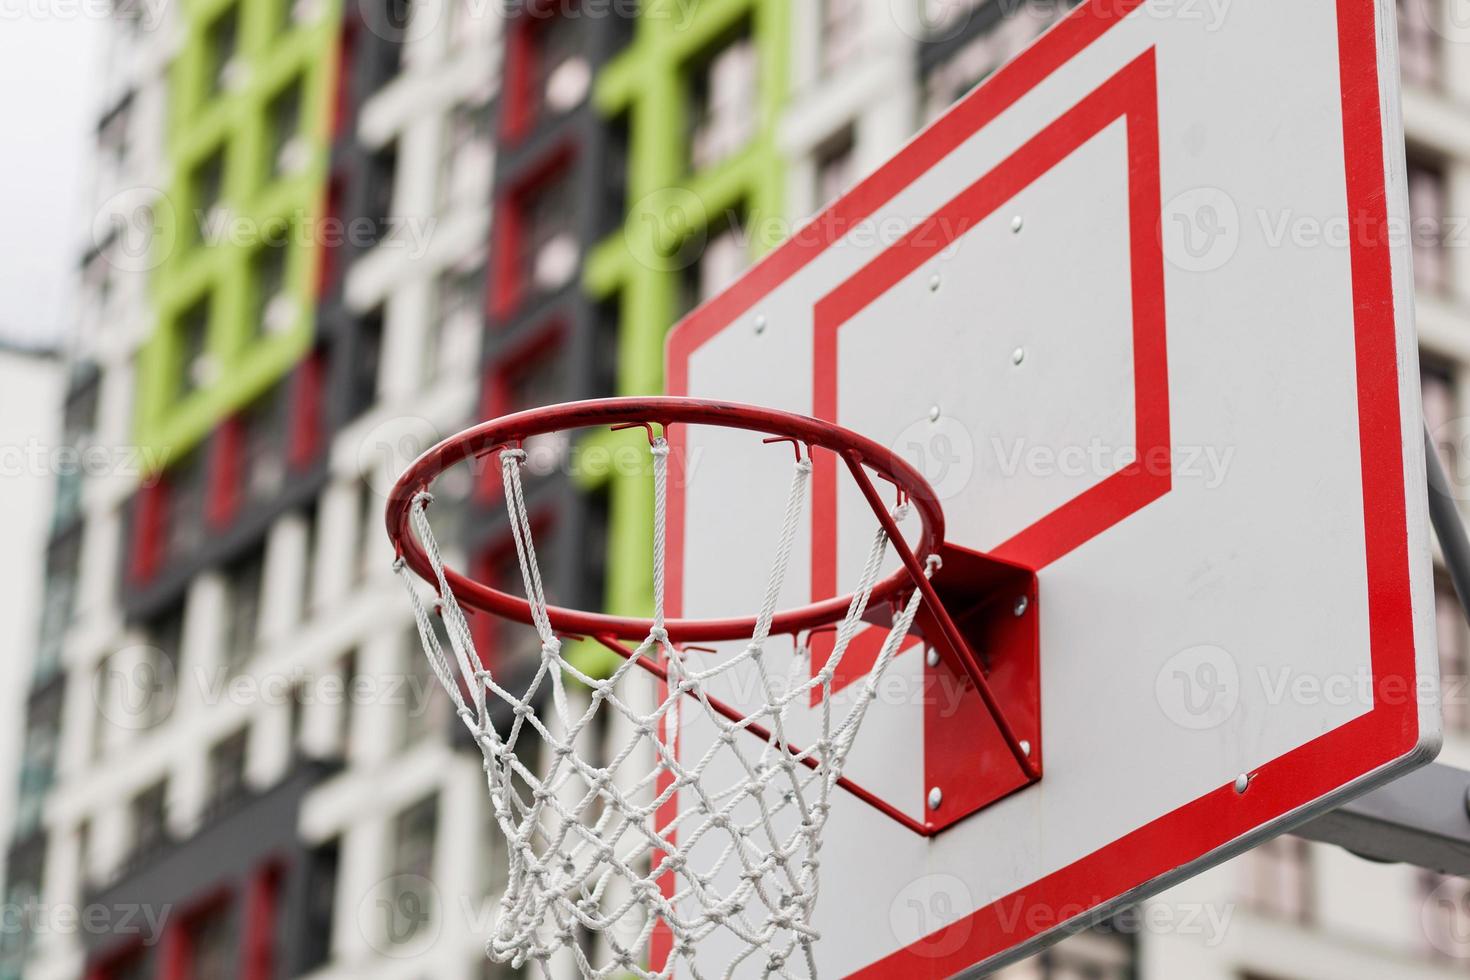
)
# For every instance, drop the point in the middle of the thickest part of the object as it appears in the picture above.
(981, 742)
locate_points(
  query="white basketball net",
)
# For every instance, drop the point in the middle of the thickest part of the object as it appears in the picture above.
(597, 861)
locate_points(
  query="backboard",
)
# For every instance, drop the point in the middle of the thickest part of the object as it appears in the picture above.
(1140, 308)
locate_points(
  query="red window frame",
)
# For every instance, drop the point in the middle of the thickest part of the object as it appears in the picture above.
(106, 967)
(499, 382)
(509, 290)
(258, 932)
(303, 439)
(150, 518)
(178, 943)
(522, 58)
(329, 244)
(342, 82)
(306, 436)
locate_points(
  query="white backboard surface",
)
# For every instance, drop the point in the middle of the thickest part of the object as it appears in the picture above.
(1152, 278)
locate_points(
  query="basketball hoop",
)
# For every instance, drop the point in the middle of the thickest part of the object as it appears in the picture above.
(593, 849)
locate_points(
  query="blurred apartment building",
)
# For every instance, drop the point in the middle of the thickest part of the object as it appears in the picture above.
(329, 232)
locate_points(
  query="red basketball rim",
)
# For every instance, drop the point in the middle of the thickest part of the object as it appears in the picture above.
(512, 430)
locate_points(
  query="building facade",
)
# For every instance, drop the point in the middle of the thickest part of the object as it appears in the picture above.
(329, 234)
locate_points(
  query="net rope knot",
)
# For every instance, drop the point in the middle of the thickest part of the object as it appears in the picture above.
(630, 808)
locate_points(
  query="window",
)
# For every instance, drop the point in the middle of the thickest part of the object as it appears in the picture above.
(85, 857)
(531, 378)
(381, 172)
(22, 894)
(185, 505)
(80, 419)
(1426, 211)
(1278, 880)
(206, 192)
(459, 303)
(1454, 658)
(210, 944)
(310, 518)
(617, 137)
(973, 63)
(548, 73)
(835, 165)
(244, 583)
(841, 32)
(413, 867)
(288, 152)
(388, 23)
(1419, 48)
(723, 99)
(372, 547)
(150, 830)
(227, 771)
(549, 250)
(1441, 407)
(466, 165)
(38, 760)
(724, 257)
(103, 693)
(942, 13)
(63, 561)
(97, 270)
(153, 684)
(367, 352)
(321, 899)
(195, 366)
(275, 311)
(263, 445)
(347, 670)
(562, 74)
(221, 40)
(112, 143)
(427, 708)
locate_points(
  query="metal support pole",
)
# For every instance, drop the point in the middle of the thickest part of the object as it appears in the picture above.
(1444, 514)
(1419, 819)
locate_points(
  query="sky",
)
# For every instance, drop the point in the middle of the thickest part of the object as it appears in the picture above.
(49, 51)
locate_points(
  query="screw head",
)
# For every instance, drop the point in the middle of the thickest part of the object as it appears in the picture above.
(1025, 748)
(1242, 783)
(760, 323)
(932, 657)
(1017, 223)
(934, 283)
(936, 797)
(1022, 604)
(1018, 355)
